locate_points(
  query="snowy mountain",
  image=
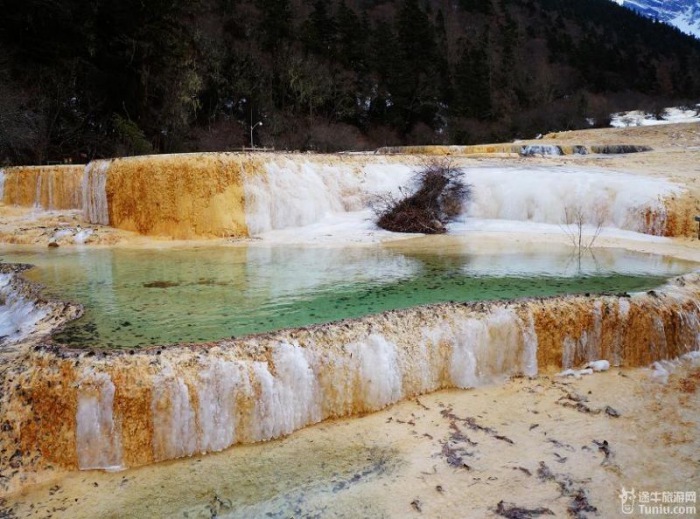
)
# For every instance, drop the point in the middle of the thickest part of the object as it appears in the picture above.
(683, 14)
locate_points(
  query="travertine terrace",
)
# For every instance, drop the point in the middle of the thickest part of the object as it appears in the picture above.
(64, 410)
(46, 187)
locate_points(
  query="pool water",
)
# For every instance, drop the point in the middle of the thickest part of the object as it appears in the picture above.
(141, 297)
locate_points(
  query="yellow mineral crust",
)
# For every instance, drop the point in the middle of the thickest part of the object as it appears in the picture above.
(181, 196)
(48, 187)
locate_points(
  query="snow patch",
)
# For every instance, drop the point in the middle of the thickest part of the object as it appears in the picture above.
(575, 373)
(670, 115)
(599, 365)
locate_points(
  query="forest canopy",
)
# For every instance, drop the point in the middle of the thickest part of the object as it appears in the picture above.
(81, 79)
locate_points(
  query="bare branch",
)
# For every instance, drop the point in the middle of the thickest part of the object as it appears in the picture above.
(440, 198)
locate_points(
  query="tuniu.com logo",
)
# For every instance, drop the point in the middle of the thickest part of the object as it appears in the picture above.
(658, 503)
(627, 499)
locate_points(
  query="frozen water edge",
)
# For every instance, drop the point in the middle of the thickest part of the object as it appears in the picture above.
(342, 229)
(19, 315)
(336, 204)
(358, 227)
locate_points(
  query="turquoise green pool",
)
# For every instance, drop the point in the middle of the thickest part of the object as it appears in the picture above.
(136, 298)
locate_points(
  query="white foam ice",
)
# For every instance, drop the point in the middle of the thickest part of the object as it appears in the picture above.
(62, 233)
(661, 370)
(19, 315)
(379, 372)
(97, 436)
(94, 189)
(2, 185)
(78, 235)
(321, 203)
(599, 365)
(575, 373)
(82, 235)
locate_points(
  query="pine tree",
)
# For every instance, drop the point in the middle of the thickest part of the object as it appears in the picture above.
(472, 84)
(319, 30)
(275, 27)
(415, 88)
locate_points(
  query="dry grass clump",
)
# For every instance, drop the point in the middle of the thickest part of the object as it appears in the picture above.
(440, 198)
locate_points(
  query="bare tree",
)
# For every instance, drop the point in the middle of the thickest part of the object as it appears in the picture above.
(575, 221)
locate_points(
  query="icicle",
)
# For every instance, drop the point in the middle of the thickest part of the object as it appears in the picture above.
(97, 437)
(174, 426)
(487, 350)
(289, 399)
(94, 189)
(540, 149)
(218, 385)
(529, 359)
(295, 193)
(19, 315)
(379, 371)
(611, 199)
(51, 182)
(37, 193)
(2, 185)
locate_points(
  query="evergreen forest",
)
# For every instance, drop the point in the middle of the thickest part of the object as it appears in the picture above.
(84, 79)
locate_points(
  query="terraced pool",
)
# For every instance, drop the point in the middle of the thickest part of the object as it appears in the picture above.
(141, 297)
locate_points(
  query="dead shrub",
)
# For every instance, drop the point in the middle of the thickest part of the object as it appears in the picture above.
(439, 199)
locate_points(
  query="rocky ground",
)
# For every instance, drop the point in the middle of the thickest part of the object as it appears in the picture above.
(28, 226)
(549, 446)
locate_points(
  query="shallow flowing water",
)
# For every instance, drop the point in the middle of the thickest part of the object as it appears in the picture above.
(140, 297)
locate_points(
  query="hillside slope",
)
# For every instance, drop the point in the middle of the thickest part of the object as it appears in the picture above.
(683, 14)
(82, 80)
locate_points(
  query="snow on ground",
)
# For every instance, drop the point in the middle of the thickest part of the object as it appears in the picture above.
(669, 116)
(341, 228)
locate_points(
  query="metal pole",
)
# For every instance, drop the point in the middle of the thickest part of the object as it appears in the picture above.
(252, 127)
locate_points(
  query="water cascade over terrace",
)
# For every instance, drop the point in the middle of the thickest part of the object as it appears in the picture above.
(43, 187)
(240, 195)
